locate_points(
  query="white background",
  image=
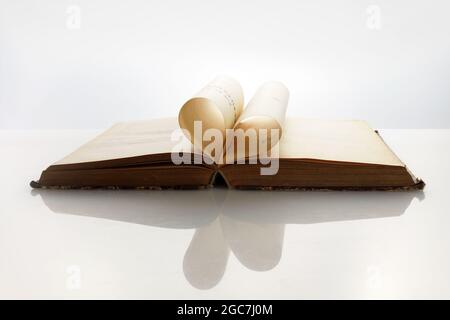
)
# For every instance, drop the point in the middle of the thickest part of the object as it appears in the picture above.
(123, 60)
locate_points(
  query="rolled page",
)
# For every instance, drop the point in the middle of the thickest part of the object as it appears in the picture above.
(266, 111)
(218, 105)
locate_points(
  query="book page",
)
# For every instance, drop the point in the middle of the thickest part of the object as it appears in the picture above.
(265, 113)
(267, 108)
(330, 140)
(334, 140)
(131, 139)
(218, 105)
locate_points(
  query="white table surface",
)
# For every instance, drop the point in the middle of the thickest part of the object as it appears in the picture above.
(218, 243)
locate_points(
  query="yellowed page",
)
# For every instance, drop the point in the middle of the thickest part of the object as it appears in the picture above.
(334, 140)
(218, 105)
(331, 140)
(267, 108)
(131, 139)
(264, 115)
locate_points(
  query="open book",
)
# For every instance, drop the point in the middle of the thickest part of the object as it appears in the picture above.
(289, 153)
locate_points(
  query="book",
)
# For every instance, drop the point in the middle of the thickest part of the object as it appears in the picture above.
(215, 140)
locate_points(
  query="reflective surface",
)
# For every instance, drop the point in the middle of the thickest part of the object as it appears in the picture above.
(222, 243)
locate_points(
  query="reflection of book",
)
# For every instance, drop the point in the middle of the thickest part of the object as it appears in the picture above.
(196, 209)
(249, 225)
(322, 154)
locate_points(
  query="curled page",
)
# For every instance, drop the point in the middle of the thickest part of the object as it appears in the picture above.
(264, 115)
(218, 105)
